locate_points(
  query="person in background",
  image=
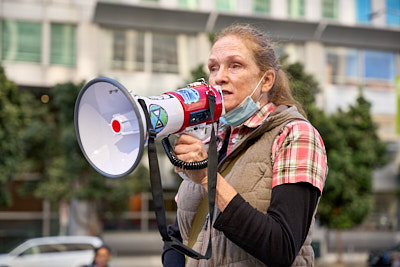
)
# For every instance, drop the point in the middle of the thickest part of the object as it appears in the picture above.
(102, 256)
(272, 164)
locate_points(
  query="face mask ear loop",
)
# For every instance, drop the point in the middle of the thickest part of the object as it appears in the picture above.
(255, 89)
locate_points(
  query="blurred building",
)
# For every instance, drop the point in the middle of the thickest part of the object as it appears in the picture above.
(151, 46)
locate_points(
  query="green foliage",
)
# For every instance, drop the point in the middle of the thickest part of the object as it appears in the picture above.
(38, 138)
(11, 122)
(353, 154)
(36, 134)
(354, 151)
(198, 73)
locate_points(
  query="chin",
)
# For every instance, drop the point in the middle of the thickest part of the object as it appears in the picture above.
(228, 105)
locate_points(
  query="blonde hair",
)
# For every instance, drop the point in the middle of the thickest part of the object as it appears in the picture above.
(265, 58)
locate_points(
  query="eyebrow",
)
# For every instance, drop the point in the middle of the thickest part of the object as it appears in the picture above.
(231, 58)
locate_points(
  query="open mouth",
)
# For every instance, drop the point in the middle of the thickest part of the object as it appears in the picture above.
(224, 93)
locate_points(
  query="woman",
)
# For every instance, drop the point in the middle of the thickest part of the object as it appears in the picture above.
(272, 164)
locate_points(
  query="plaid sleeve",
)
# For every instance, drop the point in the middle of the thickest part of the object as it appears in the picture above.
(298, 155)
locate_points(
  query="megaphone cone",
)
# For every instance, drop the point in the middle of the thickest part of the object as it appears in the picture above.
(113, 155)
(111, 127)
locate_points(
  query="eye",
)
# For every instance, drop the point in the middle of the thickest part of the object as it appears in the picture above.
(212, 68)
(235, 67)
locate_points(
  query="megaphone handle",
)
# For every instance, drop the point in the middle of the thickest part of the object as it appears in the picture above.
(180, 163)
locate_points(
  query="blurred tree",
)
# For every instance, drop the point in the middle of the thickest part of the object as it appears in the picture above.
(354, 151)
(39, 139)
(198, 73)
(11, 122)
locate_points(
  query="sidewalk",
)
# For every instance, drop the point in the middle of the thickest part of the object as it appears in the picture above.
(143, 249)
(349, 260)
(354, 260)
(137, 261)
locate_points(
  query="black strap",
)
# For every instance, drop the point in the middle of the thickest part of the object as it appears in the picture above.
(157, 191)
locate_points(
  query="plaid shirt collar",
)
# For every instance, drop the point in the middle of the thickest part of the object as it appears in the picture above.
(245, 128)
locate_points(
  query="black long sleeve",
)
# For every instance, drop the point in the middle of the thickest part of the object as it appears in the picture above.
(274, 238)
(171, 257)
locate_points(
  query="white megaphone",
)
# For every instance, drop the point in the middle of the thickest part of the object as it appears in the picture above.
(111, 126)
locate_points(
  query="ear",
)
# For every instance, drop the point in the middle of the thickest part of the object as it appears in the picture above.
(269, 80)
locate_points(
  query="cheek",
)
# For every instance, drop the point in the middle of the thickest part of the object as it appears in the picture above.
(211, 78)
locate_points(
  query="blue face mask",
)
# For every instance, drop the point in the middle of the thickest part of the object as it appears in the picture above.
(243, 111)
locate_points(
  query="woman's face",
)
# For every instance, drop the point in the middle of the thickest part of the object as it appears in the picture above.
(232, 66)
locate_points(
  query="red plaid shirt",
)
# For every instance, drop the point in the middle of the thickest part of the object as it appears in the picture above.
(298, 152)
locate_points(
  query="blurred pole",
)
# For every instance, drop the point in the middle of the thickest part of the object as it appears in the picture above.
(397, 163)
(63, 217)
(46, 218)
(78, 220)
(397, 92)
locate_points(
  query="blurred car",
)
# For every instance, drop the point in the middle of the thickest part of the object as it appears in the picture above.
(384, 257)
(60, 251)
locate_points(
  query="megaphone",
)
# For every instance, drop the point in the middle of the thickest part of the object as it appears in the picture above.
(111, 126)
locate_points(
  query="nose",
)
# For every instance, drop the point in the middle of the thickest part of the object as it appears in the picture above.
(221, 76)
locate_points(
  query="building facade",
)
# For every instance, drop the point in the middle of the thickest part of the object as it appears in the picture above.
(151, 46)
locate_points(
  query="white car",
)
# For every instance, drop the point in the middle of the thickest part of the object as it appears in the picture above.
(57, 251)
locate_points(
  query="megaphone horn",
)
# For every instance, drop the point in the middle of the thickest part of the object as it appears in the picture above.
(111, 127)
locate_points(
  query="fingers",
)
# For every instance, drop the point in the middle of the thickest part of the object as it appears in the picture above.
(186, 139)
(189, 148)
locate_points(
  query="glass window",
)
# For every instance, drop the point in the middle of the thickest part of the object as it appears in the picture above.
(330, 9)
(165, 56)
(363, 9)
(21, 41)
(342, 65)
(63, 45)
(379, 65)
(261, 6)
(191, 4)
(352, 66)
(226, 5)
(30, 251)
(352, 63)
(118, 50)
(138, 51)
(296, 8)
(393, 12)
(127, 50)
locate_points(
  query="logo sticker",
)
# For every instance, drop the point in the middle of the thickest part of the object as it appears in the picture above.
(160, 97)
(159, 117)
(189, 95)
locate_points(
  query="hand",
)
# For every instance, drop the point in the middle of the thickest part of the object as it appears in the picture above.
(191, 149)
